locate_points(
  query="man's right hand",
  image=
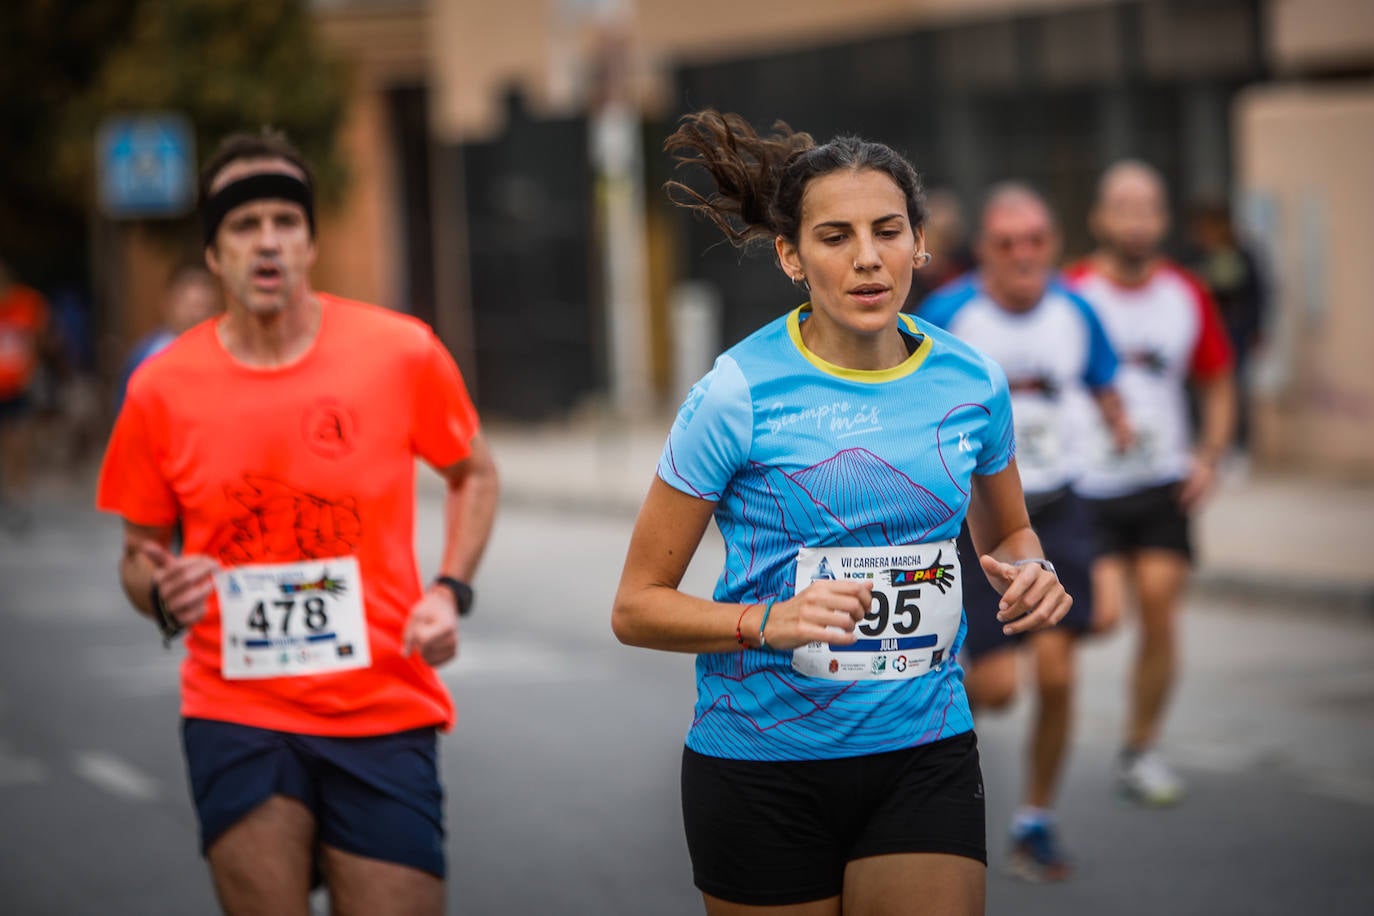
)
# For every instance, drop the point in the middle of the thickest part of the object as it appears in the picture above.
(184, 583)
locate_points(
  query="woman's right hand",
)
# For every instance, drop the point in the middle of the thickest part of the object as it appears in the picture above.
(825, 611)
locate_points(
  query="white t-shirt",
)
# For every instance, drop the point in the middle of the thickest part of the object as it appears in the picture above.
(1165, 331)
(1052, 354)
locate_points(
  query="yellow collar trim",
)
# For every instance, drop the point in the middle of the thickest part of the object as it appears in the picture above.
(870, 376)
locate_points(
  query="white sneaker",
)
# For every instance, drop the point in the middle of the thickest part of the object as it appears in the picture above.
(1149, 780)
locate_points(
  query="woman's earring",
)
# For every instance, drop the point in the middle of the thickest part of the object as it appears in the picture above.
(800, 280)
(922, 259)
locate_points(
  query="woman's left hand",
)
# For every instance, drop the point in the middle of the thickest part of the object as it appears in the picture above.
(1032, 596)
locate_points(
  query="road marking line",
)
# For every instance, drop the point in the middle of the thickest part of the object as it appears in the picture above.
(115, 776)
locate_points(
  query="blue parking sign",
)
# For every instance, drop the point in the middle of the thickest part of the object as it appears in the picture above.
(146, 165)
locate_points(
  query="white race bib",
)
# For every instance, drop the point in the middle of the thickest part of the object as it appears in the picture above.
(1148, 426)
(918, 605)
(290, 619)
(1038, 446)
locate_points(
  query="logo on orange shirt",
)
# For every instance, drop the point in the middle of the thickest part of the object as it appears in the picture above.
(328, 429)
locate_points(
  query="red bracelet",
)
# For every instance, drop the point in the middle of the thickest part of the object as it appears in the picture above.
(739, 634)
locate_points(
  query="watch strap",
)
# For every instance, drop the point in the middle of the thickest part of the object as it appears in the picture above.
(167, 625)
(462, 593)
(1039, 561)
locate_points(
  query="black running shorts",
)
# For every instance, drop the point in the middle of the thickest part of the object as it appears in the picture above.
(769, 833)
(1149, 519)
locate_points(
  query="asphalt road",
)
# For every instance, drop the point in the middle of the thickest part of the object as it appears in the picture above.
(562, 772)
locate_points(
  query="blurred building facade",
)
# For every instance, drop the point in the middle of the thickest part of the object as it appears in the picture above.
(1306, 191)
(484, 204)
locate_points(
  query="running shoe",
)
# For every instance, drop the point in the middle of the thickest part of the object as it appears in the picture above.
(1036, 855)
(1147, 779)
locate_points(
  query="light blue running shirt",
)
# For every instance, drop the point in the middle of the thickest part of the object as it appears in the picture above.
(799, 452)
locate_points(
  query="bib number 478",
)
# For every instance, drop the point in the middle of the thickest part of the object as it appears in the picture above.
(314, 615)
(883, 612)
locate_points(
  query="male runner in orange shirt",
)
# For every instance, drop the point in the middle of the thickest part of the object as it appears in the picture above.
(282, 439)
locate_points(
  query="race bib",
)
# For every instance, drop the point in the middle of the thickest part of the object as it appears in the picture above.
(1037, 436)
(1141, 457)
(918, 605)
(291, 619)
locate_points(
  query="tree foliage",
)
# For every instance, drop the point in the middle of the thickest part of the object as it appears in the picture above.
(50, 54)
(228, 65)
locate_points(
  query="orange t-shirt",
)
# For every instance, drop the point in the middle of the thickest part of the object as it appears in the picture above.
(23, 315)
(315, 460)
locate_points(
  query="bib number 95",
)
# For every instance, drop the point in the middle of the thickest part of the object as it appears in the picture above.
(901, 612)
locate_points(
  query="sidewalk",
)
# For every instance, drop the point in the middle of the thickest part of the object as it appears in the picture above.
(1263, 537)
(1272, 536)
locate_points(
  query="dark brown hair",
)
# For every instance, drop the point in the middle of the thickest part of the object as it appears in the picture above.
(760, 180)
(266, 144)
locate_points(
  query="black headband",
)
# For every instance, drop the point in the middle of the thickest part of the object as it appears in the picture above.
(262, 186)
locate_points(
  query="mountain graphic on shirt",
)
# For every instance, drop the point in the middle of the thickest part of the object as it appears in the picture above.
(864, 493)
(853, 497)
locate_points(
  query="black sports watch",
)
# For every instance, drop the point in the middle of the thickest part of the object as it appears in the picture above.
(462, 593)
(167, 625)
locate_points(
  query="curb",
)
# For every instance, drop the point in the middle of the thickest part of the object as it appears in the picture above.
(1346, 599)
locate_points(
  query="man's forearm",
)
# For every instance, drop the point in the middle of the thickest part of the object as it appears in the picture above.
(1109, 406)
(469, 513)
(136, 575)
(1217, 417)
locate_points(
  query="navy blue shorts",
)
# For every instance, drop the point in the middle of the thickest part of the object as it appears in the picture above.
(1065, 529)
(377, 797)
(771, 833)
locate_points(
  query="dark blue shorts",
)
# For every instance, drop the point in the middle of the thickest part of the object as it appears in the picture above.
(1065, 529)
(377, 797)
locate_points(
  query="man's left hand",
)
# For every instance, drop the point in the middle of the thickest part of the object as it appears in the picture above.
(1202, 477)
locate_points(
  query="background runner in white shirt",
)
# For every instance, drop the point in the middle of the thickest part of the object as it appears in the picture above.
(1168, 334)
